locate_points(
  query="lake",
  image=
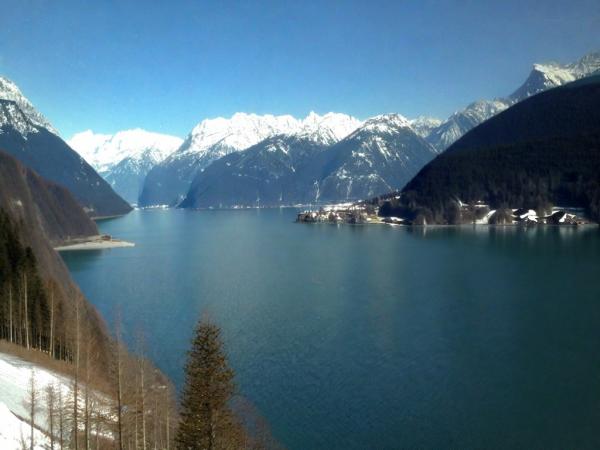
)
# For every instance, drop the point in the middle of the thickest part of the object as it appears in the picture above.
(372, 336)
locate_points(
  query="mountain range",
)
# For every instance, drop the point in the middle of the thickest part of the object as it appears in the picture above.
(250, 180)
(250, 159)
(125, 158)
(314, 166)
(169, 182)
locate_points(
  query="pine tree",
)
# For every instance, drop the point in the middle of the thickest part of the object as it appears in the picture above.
(206, 419)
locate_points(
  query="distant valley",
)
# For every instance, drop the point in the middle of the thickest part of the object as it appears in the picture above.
(125, 158)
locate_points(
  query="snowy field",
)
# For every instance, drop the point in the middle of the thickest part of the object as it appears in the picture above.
(15, 376)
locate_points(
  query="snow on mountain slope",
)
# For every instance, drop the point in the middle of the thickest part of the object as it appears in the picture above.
(327, 129)
(541, 78)
(462, 121)
(220, 136)
(380, 156)
(168, 182)
(423, 125)
(13, 116)
(103, 151)
(46, 153)
(549, 75)
(10, 91)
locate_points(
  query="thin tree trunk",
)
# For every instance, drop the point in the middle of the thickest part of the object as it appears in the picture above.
(51, 402)
(76, 380)
(155, 422)
(26, 318)
(86, 417)
(143, 410)
(10, 301)
(61, 415)
(97, 432)
(119, 384)
(51, 345)
(32, 399)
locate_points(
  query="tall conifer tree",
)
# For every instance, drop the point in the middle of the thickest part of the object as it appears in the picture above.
(206, 419)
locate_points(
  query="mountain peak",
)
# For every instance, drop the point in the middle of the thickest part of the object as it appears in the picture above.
(10, 91)
(547, 75)
(385, 123)
(243, 130)
(424, 125)
(327, 129)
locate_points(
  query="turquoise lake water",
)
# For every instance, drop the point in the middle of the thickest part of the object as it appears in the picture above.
(372, 336)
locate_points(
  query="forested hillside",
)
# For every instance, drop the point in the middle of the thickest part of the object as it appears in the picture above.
(45, 318)
(541, 152)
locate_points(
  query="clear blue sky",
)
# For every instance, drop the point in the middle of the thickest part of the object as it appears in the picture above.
(165, 65)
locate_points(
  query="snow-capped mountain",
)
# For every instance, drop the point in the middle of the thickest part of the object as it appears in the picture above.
(46, 153)
(13, 116)
(383, 153)
(327, 129)
(546, 76)
(424, 125)
(211, 139)
(124, 159)
(276, 171)
(104, 151)
(541, 78)
(462, 121)
(10, 91)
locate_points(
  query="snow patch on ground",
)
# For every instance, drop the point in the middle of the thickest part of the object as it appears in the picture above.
(15, 375)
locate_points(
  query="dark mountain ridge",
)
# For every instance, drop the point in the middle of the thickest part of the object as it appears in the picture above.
(540, 152)
(53, 159)
(277, 171)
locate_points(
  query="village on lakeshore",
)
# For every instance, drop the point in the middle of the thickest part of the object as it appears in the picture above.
(362, 213)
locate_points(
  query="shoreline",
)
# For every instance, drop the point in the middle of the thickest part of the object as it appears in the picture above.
(92, 243)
